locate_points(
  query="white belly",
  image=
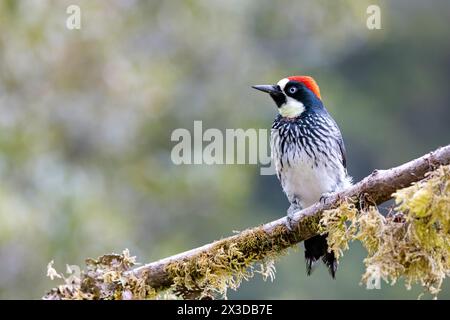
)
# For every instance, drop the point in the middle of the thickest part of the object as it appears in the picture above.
(306, 182)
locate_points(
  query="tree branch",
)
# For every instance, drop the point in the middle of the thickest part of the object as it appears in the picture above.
(377, 188)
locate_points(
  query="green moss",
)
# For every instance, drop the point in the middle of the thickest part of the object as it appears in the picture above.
(228, 263)
(339, 223)
(413, 243)
(104, 278)
(207, 275)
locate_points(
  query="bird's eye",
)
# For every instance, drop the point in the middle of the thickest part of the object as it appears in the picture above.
(292, 89)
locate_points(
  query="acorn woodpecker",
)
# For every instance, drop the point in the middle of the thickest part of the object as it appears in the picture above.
(308, 153)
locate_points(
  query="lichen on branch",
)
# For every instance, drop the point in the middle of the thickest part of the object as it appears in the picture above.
(208, 275)
(104, 278)
(211, 273)
(413, 242)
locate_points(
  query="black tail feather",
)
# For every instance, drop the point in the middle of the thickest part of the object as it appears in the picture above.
(317, 248)
(330, 261)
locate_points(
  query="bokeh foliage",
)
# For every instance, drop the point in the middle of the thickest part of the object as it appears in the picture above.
(86, 118)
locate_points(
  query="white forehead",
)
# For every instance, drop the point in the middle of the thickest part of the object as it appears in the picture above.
(282, 83)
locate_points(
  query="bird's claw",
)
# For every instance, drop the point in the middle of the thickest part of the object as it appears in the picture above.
(290, 222)
(325, 197)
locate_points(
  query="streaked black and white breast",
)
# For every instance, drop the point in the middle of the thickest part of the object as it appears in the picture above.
(309, 156)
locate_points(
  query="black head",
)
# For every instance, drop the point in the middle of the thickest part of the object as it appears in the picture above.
(294, 95)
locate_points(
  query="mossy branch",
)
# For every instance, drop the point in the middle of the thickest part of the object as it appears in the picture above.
(212, 268)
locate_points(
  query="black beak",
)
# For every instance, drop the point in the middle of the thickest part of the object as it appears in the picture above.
(272, 89)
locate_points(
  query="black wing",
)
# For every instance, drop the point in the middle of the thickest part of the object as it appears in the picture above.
(343, 153)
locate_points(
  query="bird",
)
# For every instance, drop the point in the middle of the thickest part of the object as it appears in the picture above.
(308, 152)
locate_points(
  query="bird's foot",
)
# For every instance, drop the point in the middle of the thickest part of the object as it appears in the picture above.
(325, 197)
(290, 223)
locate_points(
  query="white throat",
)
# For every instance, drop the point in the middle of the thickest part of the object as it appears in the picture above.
(292, 108)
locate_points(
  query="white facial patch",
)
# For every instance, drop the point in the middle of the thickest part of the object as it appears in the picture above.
(292, 108)
(282, 83)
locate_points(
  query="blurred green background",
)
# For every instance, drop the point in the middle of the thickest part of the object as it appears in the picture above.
(86, 118)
